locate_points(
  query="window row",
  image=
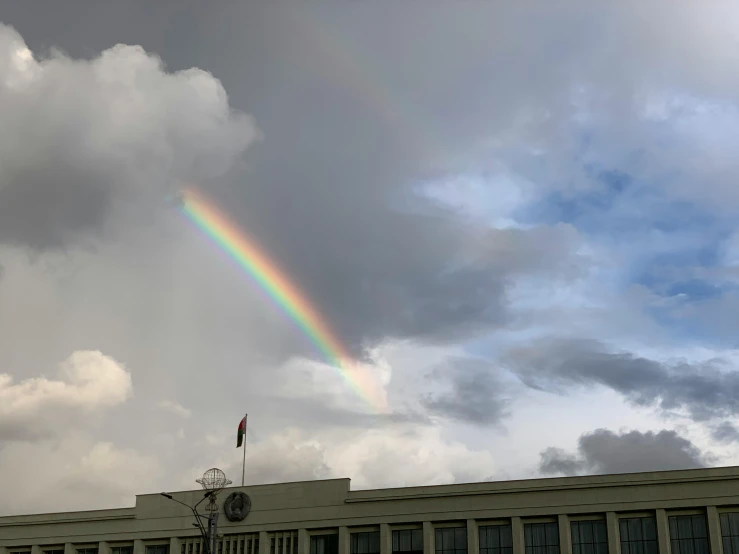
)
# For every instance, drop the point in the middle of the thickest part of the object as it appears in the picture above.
(638, 535)
(688, 534)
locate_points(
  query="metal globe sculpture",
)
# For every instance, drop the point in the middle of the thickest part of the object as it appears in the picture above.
(213, 480)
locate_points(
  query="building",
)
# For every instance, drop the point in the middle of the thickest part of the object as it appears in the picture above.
(670, 512)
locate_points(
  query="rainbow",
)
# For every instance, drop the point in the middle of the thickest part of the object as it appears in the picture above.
(245, 252)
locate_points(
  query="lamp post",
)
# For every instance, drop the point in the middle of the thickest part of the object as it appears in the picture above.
(213, 481)
(205, 534)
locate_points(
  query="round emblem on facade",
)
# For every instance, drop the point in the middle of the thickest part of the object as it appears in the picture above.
(237, 506)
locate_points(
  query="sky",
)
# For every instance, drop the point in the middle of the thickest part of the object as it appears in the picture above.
(520, 222)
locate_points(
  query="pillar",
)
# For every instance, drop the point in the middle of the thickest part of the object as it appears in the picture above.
(714, 530)
(138, 547)
(175, 546)
(519, 546)
(428, 538)
(69, 548)
(303, 542)
(264, 542)
(36, 549)
(344, 540)
(663, 532)
(386, 539)
(565, 534)
(614, 539)
(473, 537)
(104, 548)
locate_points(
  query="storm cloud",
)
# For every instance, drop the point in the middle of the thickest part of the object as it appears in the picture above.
(603, 451)
(474, 396)
(703, 390)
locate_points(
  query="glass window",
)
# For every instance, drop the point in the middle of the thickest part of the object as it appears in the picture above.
(496, 539)
(638, 535)
(689, 535)
(451, 540)
(589, 537)
(324, 544)
(87, 551)
(54, 551)
(155, 549)
(287, 546)
(541, 538)
(408, 540)
(366, 543)
(730, 532)
(125, 549)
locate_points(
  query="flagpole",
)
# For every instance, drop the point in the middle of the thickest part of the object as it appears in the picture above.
(243, 465)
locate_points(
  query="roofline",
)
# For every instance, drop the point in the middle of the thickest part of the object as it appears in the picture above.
(417, 492)
(253, 487)
(547, 483)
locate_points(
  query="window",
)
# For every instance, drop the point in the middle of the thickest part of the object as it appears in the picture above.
(408, 540)
(589, 537)
(285, 542)
(54, 551)
(367, 543)
(730, 532)
(496, 539)
(87, 551)
(157, 549)
(688, 535)
(541, 538)
(638, 535)
(121, 549)
(324, 544)
(451, 540)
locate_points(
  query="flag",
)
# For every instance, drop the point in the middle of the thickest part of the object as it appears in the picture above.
(241, 432)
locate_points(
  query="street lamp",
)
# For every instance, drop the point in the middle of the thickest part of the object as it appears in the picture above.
(213, 481)
(198, 522)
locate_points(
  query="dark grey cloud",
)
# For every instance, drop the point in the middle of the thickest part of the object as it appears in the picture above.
(725, 432)
(603, 451)
(475, 396)
(331, 192)
(703, 390)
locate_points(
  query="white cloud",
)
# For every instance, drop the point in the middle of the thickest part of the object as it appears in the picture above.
(174, 408)
(88, 141)
(88, 381)
(401, 455)
(77, 469)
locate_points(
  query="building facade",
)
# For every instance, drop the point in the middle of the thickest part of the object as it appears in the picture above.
(671, 512)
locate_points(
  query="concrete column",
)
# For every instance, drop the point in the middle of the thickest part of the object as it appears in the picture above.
(714, 530)
(565, 534)
(473, 537)
(264, 542)
(428, 538)
(663, 532)
(614, 537)
(344, 540)
(104, 548)
(175, 546)
(519, 546)
(303, 542)
(3, 550)
(138, 547)
(386, 539)
(36, 549)
(69, 548)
